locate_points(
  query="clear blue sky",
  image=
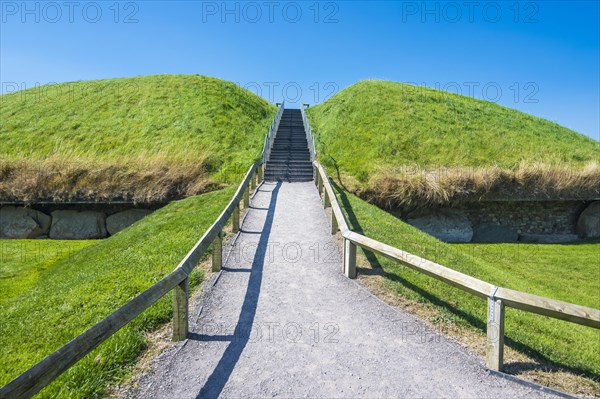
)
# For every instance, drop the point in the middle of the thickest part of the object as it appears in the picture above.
(538, 57)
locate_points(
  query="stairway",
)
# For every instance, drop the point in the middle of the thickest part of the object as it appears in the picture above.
(290, 158)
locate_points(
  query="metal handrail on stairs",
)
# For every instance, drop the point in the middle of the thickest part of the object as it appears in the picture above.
(271, 133)
(309, 136)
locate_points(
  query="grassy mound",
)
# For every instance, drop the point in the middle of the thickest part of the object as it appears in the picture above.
(146, 138)
(559, 343)
(54, 300)
(382, 136)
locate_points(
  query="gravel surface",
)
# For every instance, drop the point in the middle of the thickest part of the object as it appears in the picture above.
(282, 321)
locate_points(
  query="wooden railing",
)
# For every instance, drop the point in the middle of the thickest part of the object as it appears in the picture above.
(270, 137)
(497, 297)
(309, 135)
(51, 367)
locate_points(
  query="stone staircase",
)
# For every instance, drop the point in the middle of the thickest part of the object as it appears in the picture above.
(290, 157)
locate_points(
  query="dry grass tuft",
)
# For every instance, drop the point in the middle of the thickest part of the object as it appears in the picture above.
(143, 180)
(418, 187)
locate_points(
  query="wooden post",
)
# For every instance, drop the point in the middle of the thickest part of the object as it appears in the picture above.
(316, 174)
(235, 219)
(247, 197)
(494, 358)
(217, 252)
(320, 184)
(349, 259)
(259, 174)
(253, 181)
(180, 311)
(326, 200)
(334, 223)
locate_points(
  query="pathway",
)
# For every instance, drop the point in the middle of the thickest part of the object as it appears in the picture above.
(314, 332)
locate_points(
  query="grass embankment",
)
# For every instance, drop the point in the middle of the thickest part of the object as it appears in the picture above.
(55, 300)
(398, 145)
(24, 262)
(147, 139)
(566, 272)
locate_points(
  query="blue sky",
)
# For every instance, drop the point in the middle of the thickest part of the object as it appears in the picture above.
(542, 58)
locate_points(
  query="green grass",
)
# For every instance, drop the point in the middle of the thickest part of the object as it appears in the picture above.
(24, 262)
(169, 116)
(60, 297)
(566, 272)
(376, 125)
(550, 270)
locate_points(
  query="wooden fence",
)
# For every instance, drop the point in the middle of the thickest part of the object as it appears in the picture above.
(51, 367)
(497, 297)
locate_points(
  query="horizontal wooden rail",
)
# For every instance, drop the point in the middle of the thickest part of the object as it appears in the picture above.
(194, 255)
(270, 136)
(497, 297)
(309, 135)
(549, 307)
(457, 279)
(44, 372)
(335, 206)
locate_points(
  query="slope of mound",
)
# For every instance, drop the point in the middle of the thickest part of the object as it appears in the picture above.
(558, 346)
(375, 132)
(146, 138)
(70, 293)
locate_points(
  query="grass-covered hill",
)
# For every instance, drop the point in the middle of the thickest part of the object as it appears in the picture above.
(51, 291)
(392, 141)
(146, 138)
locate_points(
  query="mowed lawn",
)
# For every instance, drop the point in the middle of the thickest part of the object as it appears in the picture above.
(24, 262)
(52, 291)
(569, 273)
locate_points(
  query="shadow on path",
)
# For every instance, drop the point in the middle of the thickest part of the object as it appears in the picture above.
(216, 381)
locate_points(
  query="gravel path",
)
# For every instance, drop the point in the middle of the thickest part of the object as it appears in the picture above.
(283, 321)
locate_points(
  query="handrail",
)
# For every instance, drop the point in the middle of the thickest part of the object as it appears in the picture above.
(497, 297)
(271, 133)
(52, 366)
(309, 136)
(40, 375)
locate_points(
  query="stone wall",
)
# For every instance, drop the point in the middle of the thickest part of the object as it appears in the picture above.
(548, 217)
(509, 221)
(66, 222)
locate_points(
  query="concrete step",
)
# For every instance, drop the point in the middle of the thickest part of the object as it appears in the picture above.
(290, 158)
(285, 168)
(288, 175)
(284, 146)
(283, 153)
(286, 150)
(289, 180)
(288, 172)
(304, 165)
(292, 162)
(285, 176)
